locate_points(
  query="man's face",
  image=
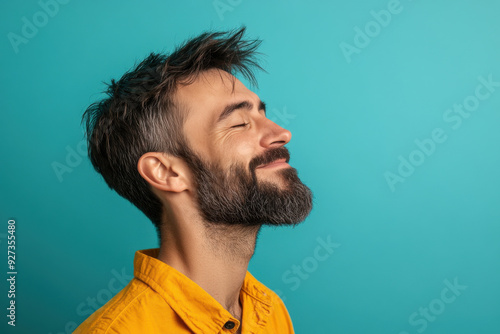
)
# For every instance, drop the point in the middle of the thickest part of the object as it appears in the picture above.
(237, 155)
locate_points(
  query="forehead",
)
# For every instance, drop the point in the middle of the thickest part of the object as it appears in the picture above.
(210, 92)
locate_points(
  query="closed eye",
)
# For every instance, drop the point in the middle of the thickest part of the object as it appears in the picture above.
(240, 125)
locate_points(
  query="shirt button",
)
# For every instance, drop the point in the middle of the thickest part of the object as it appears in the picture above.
(229, 325)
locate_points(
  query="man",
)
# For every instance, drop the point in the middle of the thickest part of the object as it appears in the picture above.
(189, 145)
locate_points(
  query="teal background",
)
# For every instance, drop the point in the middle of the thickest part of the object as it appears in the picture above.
(350, 123)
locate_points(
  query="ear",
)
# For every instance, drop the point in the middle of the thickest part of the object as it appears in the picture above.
(163, 171)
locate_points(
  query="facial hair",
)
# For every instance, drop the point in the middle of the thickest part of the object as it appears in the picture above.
(236, 197)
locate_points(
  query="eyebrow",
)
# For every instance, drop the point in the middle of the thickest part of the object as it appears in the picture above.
(229, 109)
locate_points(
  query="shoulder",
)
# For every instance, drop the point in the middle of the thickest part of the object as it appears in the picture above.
(128, 309)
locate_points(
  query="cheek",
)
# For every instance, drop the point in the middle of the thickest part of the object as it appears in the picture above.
(242, 151)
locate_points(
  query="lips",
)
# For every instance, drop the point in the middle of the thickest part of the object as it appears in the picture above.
(275, 163)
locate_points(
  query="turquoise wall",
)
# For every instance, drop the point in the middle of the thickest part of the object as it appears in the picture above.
(394, 107)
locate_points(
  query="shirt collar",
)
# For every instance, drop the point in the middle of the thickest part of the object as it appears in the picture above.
(198, 309)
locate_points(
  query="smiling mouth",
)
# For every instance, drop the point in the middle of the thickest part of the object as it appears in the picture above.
(275, 163)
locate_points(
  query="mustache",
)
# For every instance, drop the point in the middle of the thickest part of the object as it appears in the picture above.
(269, 156)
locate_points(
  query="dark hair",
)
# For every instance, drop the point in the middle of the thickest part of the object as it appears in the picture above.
(138, 114)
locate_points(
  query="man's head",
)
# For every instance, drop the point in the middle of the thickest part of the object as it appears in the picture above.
(183, 123)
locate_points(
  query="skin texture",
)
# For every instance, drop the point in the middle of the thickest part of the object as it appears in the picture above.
(215, 256)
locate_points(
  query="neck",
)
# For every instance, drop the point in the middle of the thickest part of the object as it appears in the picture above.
(233, 244)
(215, 257)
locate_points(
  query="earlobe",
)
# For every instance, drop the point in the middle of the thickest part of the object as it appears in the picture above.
(162, 172)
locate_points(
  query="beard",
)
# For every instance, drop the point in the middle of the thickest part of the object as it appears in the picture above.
(236, 197)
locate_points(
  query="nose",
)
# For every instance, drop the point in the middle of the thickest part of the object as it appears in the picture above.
(274, 135)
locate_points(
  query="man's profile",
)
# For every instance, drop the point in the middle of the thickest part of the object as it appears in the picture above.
(188, 144)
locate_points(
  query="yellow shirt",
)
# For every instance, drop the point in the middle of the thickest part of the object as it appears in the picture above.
(160, 299)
